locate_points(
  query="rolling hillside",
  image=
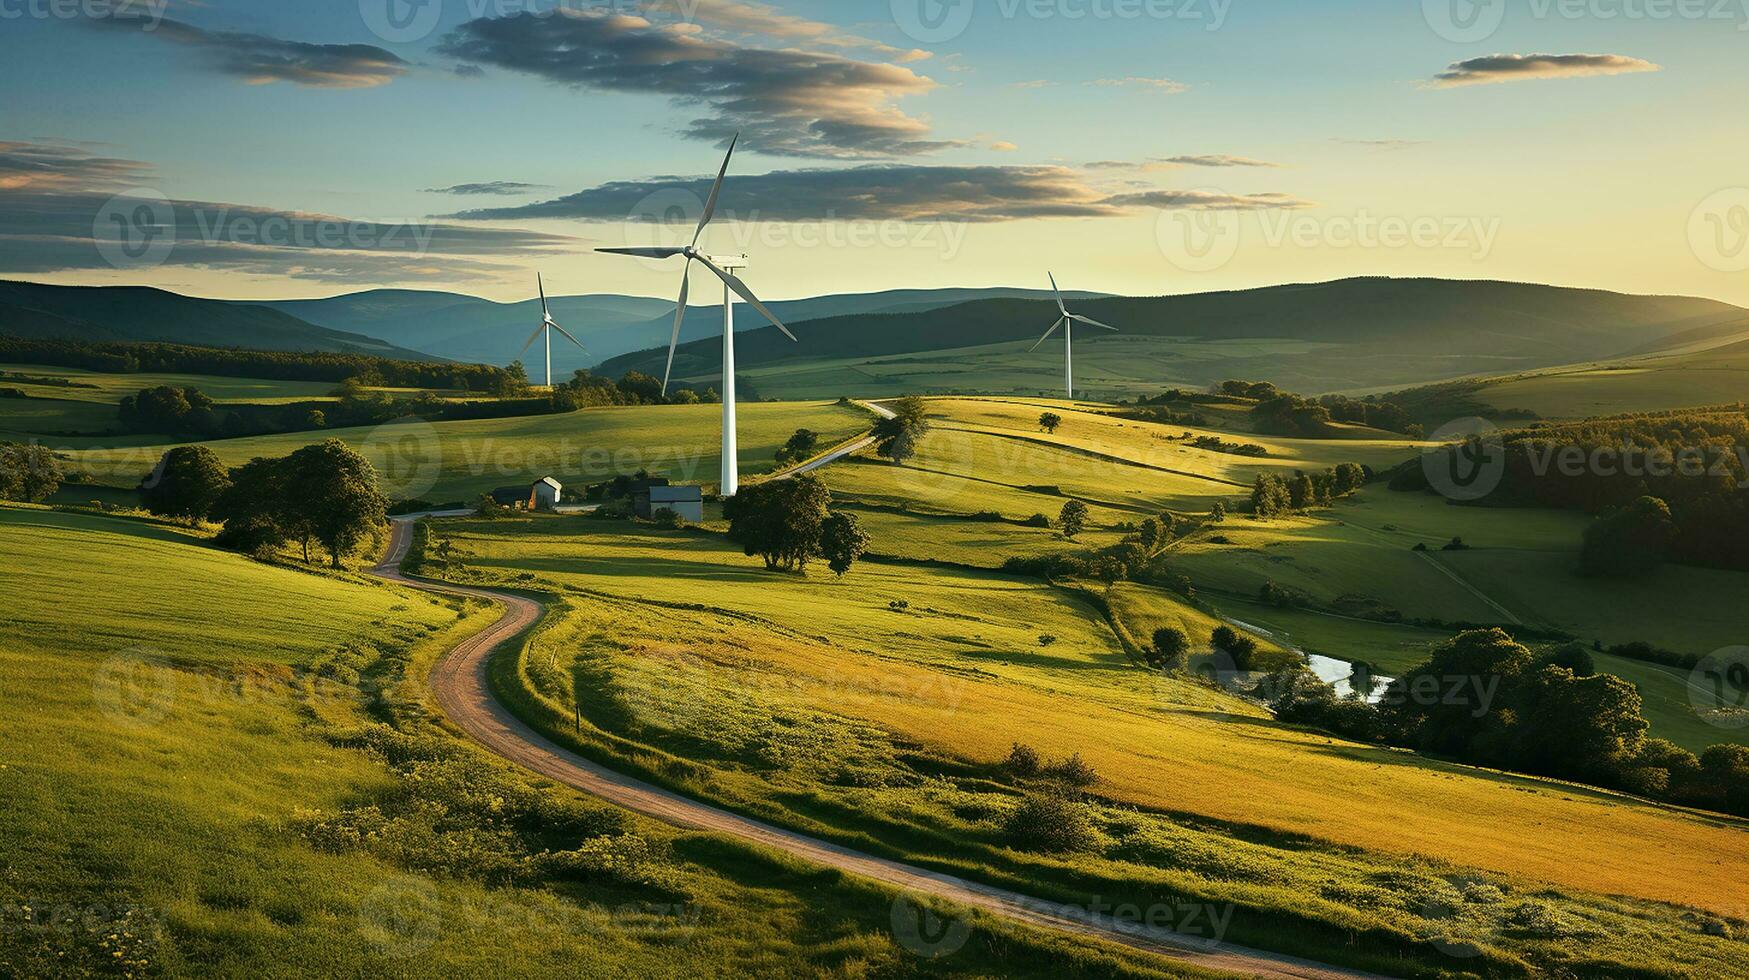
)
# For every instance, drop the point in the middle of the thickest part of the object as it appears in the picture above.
(467, 328)
(1336, 336)
(138, 313)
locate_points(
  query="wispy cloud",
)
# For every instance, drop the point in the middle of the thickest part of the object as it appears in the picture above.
(1164, 86)
(1381, 144)
(1495, 69)
(57, 199)
(491, 188)
(767, 21)
(258, 59)
(788, 102)
(1213, 160)
(892, 192)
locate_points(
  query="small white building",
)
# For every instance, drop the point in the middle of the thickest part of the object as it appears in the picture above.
(545, 495)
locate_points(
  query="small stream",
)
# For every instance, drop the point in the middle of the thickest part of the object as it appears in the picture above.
(1339, 674)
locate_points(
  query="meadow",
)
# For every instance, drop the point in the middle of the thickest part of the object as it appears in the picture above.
(458, 461)
(1689, 379)
(189, 767)
(884, 725)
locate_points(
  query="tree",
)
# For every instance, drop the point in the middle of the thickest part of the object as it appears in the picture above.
(1450, 704)
(164, 409)
(1239, 648)
(1171, 649)
(334, 491)
(800, 447)
(1629, 543)
(641, 389)
(28, 472)
(255, 509)
(842, 541)
(780, 521)
(1152, 533)
(186, 485)
(1050, 421)
(1218, 513)
(899, 435)
(1349, 477)
(1073, 520)
(1270, 496)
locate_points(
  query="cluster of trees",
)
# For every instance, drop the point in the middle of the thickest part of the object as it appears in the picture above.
(790, 522)
(1273, 496)
(898, 436)
(586, 390)
(1137, 558)
(1486, 699)
(1670, 485)
(158, 358)
(1287, 414)
(325, 495)
(29, 473)
(191, 413)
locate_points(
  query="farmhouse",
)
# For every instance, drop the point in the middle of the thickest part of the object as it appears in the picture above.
(544, 495)
(688, 502)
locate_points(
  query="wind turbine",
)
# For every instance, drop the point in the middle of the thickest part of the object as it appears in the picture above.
(1067, 321)
(723, 267)
(547, 326)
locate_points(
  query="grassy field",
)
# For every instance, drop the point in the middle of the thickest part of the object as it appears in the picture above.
(450, 461)
(1718, 376)
(884, 726)
(186, 766)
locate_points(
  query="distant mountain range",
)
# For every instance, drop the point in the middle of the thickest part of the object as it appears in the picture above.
(1342, 335)
(467, 328)
(1347, 335)
(139, 313)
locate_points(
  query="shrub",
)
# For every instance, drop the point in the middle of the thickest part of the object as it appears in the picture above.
(1038, 520)
(667, 517)
(1049, 822)
(1046, 639)
(1171, 649)
(1073, 771)
(1023, 762)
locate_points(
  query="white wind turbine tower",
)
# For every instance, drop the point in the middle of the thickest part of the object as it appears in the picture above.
(1067, 321)
(723, 268)
(547, 326)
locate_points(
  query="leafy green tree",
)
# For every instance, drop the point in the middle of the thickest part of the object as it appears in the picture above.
(780, 521)
(1073, 520)
(28, 472)
(641, 389)
(1270, 496)
(1574, 727)
(256, 509)
(1152, 533)
(799, 448)
(1239, 648)
(1050, 422)
(842, 541)
(1171, 649)
(1449, 704)
(899, 435)
(1218, 513)
(186, 485)
(334, 491)
(1349, 478)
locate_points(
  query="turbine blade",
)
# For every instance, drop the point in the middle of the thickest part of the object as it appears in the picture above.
(1060, 307)
(1092, 322)
(710, 206)
(543, 296)
(663, 252)
(534, 337)
(742, 291)
(1048, 334)
(679, 318)
(568, 336)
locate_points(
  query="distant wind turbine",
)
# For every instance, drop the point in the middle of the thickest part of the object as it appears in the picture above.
(723, 268)
(547, 326)
(1067, 321)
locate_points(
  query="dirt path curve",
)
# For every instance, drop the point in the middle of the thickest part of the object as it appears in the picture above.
(463, 690)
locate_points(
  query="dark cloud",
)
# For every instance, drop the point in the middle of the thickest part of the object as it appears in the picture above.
(888, 192)
(60, 207)
(787, 102)
(1498, 68)
(491, 188)
(258, 59)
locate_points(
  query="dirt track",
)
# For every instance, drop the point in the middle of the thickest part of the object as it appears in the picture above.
(462, 689)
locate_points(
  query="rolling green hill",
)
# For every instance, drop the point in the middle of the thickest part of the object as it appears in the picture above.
(1344, 335)
(138, 313)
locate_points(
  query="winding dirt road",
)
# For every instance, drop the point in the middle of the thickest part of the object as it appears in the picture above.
(464, 692)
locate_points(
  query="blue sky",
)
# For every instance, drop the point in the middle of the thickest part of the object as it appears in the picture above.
(1311, 141)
